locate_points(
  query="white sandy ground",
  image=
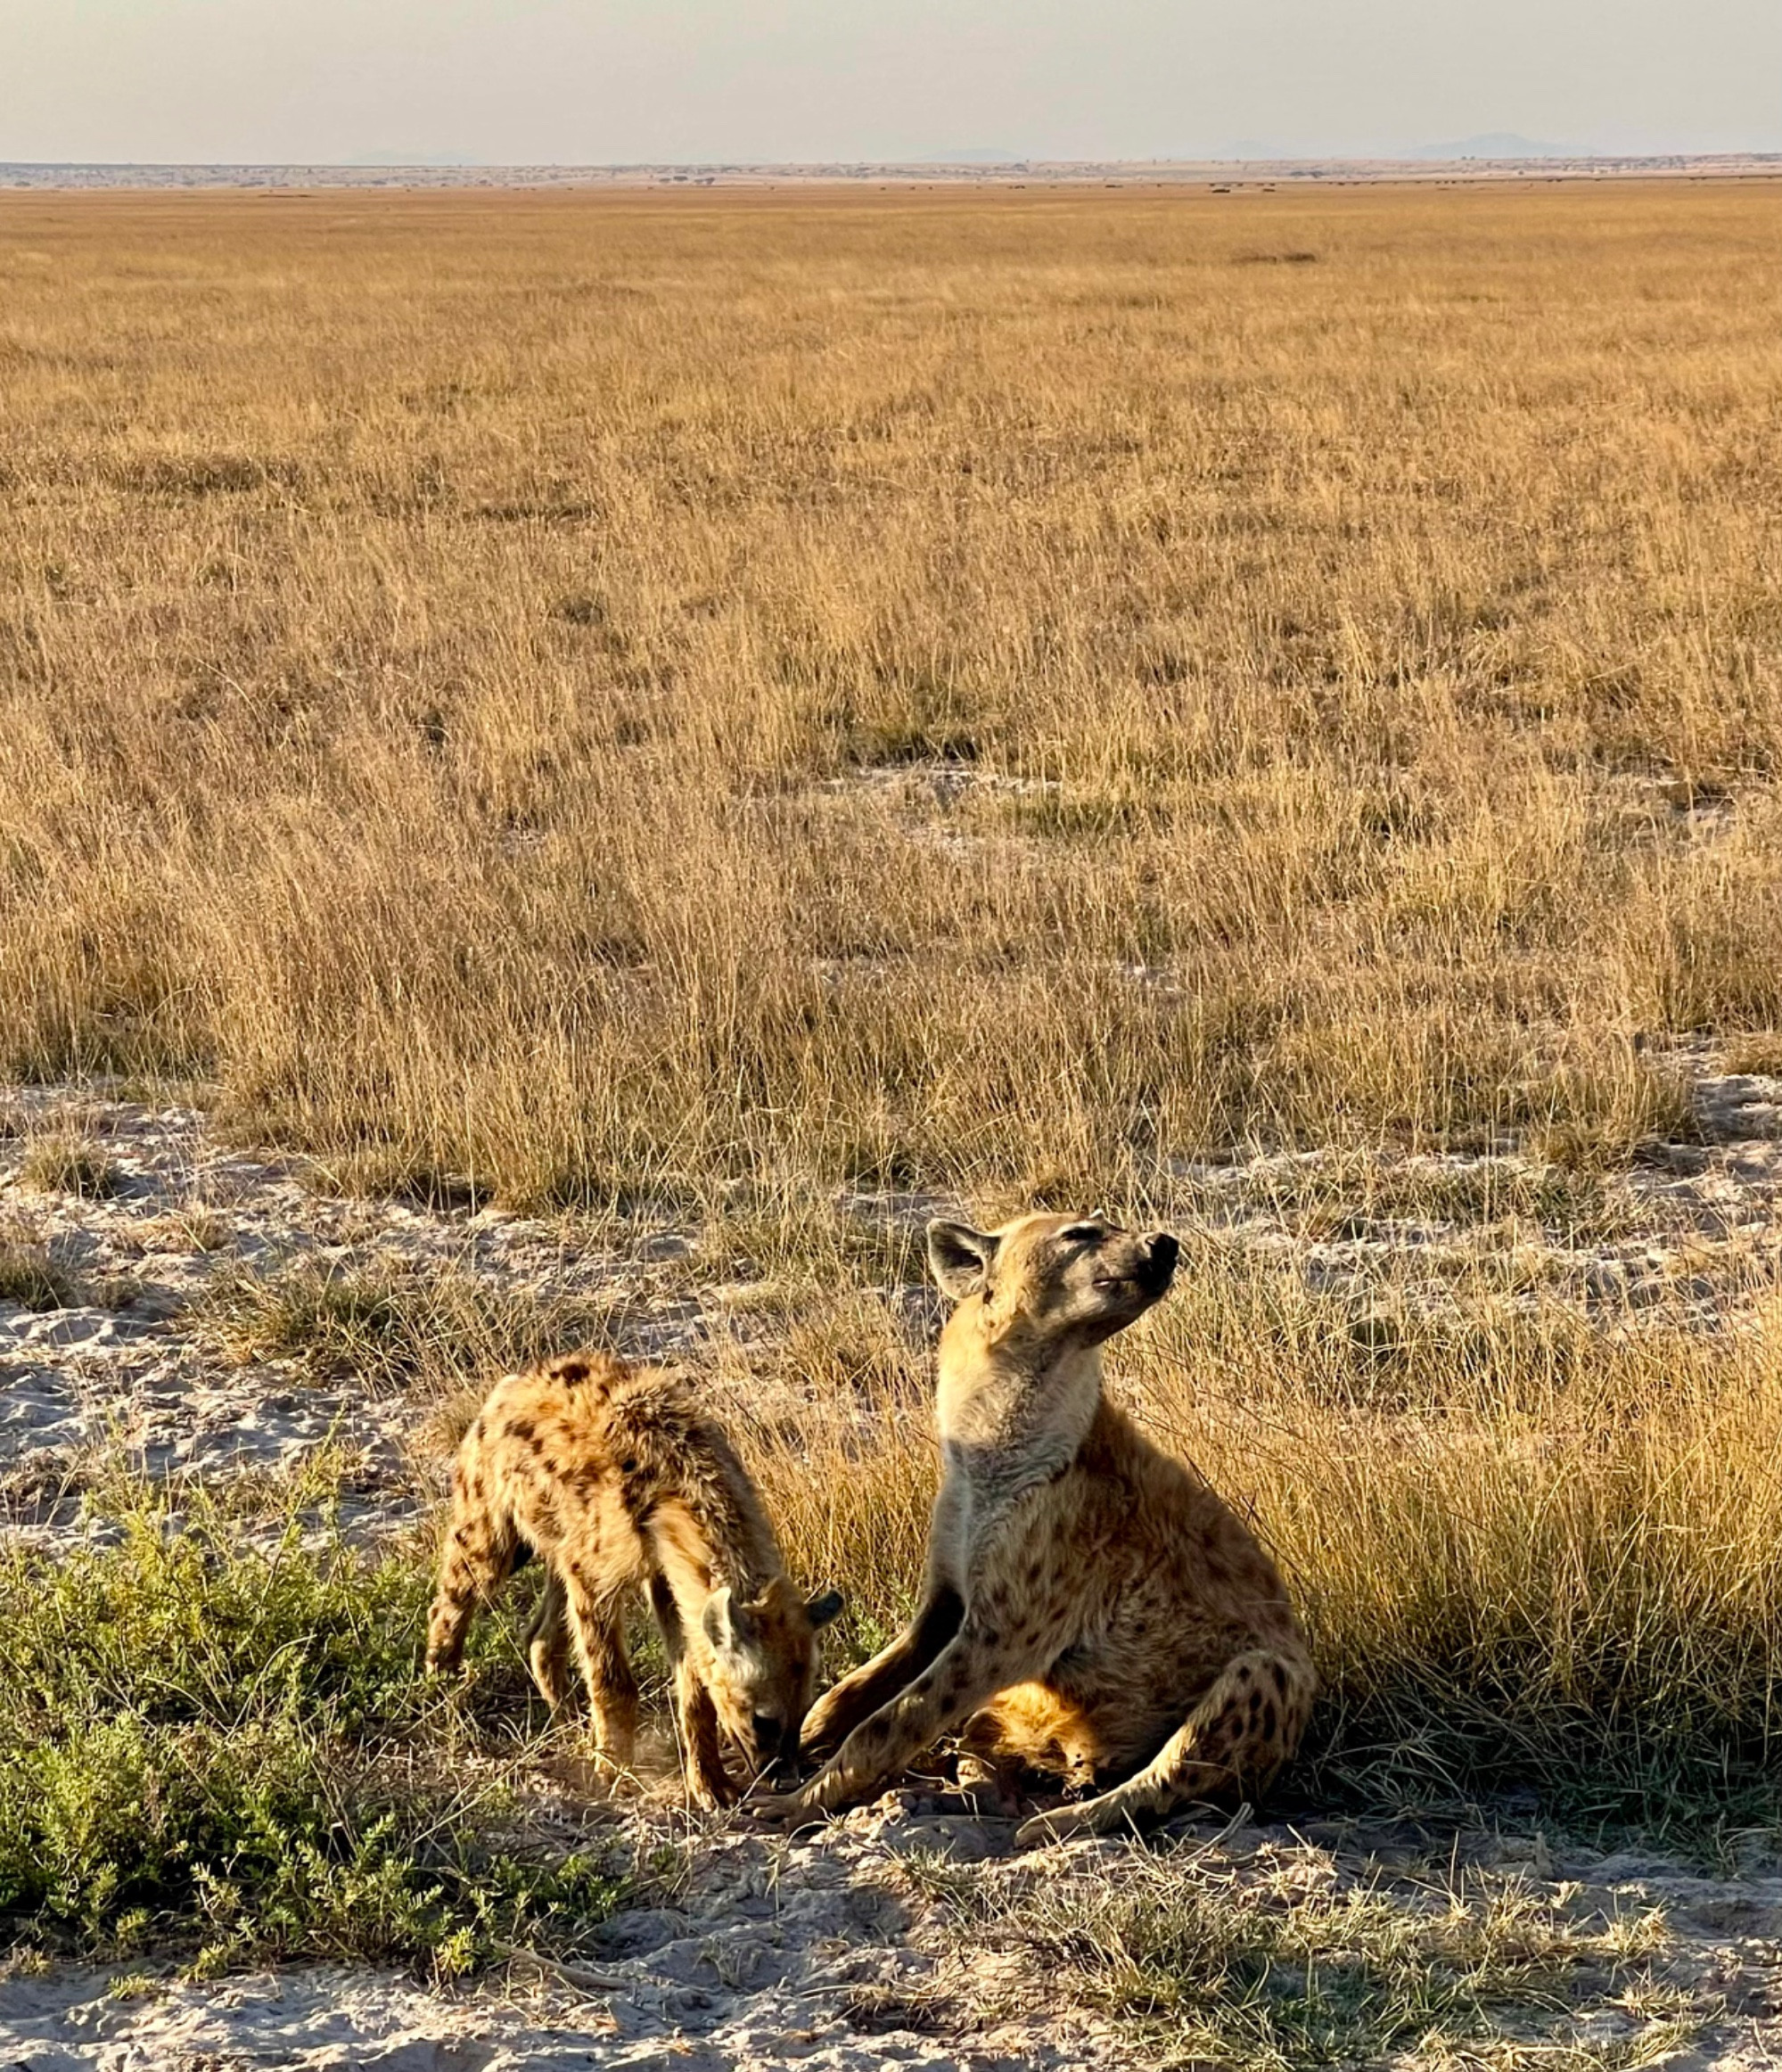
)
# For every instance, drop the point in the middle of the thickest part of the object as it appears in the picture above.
(772, 1954)
(828, 1952)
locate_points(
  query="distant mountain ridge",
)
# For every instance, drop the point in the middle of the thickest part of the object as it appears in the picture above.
(433, 159)
(1496, 143)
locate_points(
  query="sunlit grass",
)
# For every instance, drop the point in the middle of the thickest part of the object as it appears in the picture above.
(455, 647)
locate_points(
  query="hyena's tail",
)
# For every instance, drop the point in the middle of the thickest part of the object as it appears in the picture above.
(1234, 1741)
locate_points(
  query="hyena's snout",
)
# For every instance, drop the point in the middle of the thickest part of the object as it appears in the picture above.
(1158, 1255)
(775, 1751)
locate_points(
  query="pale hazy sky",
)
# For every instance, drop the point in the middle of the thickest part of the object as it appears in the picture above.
(604, 81)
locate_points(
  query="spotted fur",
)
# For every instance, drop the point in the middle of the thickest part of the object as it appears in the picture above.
(621, 1484)
(1092, 1608)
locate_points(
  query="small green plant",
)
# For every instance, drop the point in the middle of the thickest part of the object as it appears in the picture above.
(232, 1752)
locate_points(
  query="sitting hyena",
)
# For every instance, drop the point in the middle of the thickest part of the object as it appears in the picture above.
(619, 1481)
(1091, 1608)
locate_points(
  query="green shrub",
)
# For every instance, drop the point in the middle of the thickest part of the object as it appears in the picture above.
(233, 1752)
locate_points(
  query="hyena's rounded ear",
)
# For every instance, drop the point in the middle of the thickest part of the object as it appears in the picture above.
(727, 1624)
(820, 1611)
(959, 1258)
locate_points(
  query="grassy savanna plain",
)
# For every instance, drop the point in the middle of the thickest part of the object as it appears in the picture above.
(762, 711)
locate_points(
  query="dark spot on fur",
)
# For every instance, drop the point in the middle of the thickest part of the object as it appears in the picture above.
(1270, 1721)
(572, 1370)
(629, 1466)
(1280, 1675)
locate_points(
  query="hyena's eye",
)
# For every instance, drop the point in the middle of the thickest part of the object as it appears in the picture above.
(1081, 1234)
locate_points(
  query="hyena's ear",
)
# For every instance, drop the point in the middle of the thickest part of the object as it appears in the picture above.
(728, 1624)
(959, 1258)
(820, 1611)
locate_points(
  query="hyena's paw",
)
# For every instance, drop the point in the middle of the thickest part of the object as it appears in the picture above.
(711, 1793)
(782, 1809)
(1065, 1823)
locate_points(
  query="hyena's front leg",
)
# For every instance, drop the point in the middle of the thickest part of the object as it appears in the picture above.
(860, 1694)
(696, 1716)
(1235, 1740)
(701, 1744)
(968, 1672)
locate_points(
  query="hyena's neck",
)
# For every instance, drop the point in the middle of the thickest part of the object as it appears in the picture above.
(998, 1393)
(710, 1537)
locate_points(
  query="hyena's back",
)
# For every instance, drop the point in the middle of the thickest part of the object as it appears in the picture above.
(575, 1459)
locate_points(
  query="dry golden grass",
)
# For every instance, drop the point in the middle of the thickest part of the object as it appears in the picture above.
(1525, 1552)
(601, 697)
(442, 637)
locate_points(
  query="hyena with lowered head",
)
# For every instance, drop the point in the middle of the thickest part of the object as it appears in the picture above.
(618, 1480)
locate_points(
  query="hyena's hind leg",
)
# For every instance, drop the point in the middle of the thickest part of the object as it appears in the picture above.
(595, 1620)
(1235, 1740)
(479, 1556)
(548, 1645)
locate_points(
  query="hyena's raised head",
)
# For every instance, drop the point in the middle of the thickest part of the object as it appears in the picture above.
(1079, 1277)
(763, 1666)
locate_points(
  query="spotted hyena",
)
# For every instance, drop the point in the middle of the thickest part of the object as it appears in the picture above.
(621, 1484)
(1091, 1609)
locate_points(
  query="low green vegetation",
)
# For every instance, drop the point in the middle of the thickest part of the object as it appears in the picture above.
(232, 1752)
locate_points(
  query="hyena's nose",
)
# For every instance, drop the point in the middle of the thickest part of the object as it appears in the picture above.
(1161, 1252)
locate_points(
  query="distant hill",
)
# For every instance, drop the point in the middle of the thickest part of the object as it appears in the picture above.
(413, 157)
(1495, 144)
